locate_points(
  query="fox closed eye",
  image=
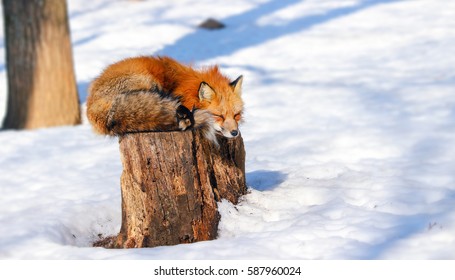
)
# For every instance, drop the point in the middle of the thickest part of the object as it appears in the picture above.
(220, 117)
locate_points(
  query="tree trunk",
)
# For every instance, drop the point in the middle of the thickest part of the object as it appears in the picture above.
(42, 88)
(170, 184)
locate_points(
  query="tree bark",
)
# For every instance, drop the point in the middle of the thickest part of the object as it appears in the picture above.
(170, 184)
(42, 88)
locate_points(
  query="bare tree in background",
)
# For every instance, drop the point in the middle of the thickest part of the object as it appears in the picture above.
(42, 88)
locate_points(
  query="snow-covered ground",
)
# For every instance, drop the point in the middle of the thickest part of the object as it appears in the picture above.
(349, 133)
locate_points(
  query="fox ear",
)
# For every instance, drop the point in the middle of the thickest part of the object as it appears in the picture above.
(205, 92)
(237, 85)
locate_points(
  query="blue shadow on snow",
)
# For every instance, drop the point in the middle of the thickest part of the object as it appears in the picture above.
(263, 180)
(242, 31)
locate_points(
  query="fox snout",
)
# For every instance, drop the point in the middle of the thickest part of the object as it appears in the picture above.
(231, 134)
(228, 128)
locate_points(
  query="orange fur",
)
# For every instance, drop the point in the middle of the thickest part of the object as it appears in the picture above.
(143, 93)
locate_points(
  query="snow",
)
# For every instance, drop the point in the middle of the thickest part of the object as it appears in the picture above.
(349, 132)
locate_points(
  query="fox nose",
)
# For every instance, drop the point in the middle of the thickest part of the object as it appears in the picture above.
(234, 133)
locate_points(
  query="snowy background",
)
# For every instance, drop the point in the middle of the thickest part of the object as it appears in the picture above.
(349, 133)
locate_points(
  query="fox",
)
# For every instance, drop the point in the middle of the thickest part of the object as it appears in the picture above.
(158, 93)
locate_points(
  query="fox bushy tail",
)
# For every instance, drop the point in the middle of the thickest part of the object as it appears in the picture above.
(116, 109)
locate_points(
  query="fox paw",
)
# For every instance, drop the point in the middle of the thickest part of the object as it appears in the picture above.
(185, 118)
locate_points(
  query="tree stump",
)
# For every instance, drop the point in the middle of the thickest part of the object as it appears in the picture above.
(170, 184)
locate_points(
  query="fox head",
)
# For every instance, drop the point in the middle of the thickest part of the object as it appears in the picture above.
(225, 104)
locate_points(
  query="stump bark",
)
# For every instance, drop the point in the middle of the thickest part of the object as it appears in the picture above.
(171, 183)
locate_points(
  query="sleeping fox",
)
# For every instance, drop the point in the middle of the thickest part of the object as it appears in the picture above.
(161, 94)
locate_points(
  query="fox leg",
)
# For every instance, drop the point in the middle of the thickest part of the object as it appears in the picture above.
(185, 118)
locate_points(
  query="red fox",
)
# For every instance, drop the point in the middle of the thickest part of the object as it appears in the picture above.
(160, 94)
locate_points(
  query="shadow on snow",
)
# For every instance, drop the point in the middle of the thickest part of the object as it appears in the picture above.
(263, 180)
(242, 31)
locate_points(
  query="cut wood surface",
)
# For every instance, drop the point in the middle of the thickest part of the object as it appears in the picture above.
(171, 183)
